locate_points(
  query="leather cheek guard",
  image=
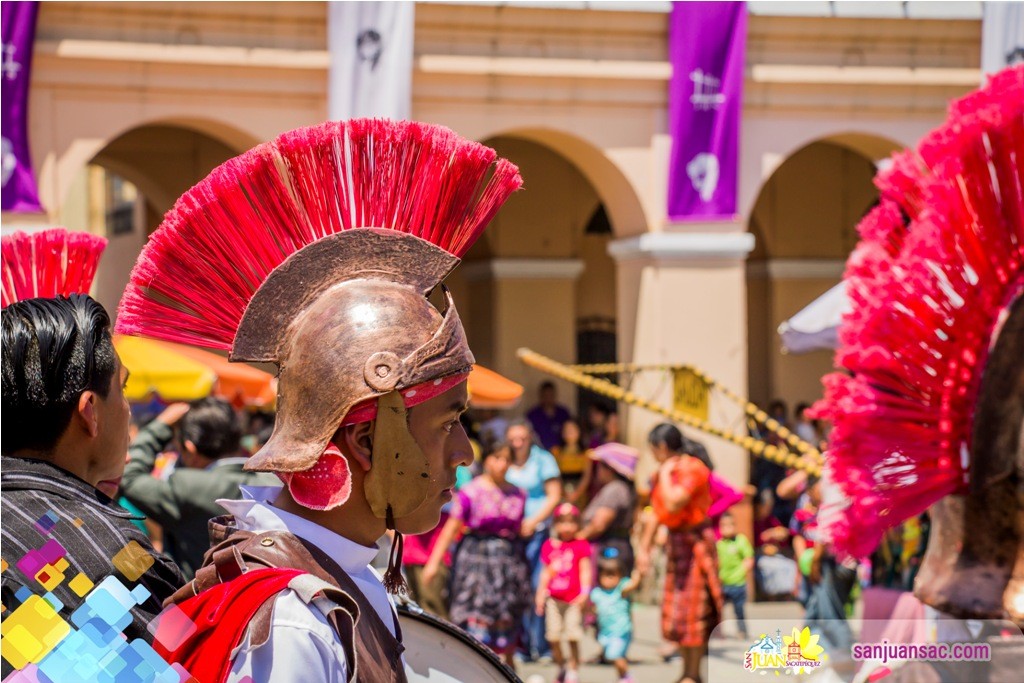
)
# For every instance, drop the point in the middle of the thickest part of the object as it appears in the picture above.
(399, 478)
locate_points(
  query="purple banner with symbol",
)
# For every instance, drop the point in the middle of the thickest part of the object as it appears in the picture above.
(707, 44)
(19, 30)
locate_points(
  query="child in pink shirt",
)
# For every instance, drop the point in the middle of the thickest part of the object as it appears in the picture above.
(564, 589)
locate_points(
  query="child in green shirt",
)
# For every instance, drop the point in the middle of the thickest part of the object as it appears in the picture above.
(735, 560)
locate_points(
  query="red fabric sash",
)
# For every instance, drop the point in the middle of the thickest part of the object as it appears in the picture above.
(222, 614)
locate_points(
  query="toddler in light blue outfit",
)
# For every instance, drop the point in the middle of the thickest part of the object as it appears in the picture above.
(614, 611)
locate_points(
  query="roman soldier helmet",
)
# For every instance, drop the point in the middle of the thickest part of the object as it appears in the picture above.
(929, 412)
(318, 251)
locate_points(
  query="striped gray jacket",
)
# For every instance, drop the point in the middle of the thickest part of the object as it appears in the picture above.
(41, 502)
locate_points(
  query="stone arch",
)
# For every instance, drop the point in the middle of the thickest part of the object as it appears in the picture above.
(126, 186)
(163, 160)
(804, 220)
(618, 193)
(828, 154)
(83, 149)
(542, 276)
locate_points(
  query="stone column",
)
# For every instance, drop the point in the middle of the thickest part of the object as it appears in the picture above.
(682, 300)
(520, 302)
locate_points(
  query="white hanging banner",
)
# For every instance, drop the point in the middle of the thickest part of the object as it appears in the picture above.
(1002, 35)
(371, 46)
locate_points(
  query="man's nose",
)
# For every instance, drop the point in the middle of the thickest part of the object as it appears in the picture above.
(460, 449)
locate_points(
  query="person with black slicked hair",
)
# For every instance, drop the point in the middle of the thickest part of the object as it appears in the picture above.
(211, 467)
(65, 437)
(53, 351)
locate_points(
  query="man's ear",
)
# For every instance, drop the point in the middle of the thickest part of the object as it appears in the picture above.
(189, 447)
(356, 442)
(87, 413)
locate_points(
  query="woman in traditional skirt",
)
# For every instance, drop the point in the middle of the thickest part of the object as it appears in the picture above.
(680, 497)
(490, 586)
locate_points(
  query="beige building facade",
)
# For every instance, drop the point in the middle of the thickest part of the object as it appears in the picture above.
(131, 103)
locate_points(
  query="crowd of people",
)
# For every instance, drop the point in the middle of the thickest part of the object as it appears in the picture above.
(550, 539)
(550, 533)
(546, 540)
(572, 516)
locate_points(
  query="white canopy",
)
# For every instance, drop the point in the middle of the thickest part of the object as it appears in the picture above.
(817, 325)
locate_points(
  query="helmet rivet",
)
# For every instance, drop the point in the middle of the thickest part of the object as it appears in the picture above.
(383, 371)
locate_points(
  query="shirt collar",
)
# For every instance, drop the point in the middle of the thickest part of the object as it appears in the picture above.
(255, 513)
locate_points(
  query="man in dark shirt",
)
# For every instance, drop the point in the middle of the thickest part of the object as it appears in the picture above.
(210, 468)
(65, 439)
(548, 416)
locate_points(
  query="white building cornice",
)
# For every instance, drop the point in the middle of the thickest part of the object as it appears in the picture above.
(523, 269)
(694, 246)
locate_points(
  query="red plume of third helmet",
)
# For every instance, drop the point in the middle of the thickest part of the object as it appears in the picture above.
(940, 261)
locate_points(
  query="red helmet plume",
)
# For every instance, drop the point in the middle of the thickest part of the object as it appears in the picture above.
(939, 262)
(226, 235)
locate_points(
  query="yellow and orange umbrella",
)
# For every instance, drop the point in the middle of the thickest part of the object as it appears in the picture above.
(153, 366)
(184, 373)
(488, 389)
(254, 386)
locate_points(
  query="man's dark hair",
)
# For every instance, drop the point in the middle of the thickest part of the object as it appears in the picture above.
(547, 385)
(212, 425)
(494, 448)
(54, 350)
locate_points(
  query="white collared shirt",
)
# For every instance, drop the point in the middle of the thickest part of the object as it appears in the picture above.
(303, 647)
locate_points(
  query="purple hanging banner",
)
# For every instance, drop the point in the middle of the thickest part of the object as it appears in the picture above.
(19, 30)
(707, 44)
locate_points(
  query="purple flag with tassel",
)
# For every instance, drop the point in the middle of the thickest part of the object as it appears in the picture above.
(707, 45)
(19, 183)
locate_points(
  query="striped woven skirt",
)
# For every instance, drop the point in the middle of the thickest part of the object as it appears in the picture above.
(490, 590)
(692, 604)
